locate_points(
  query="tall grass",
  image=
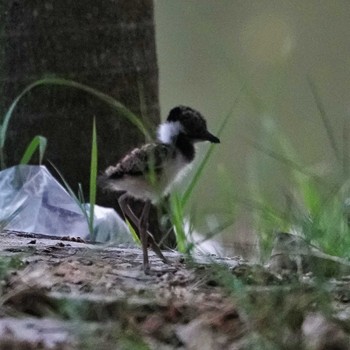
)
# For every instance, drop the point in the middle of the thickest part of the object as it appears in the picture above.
(313, 207)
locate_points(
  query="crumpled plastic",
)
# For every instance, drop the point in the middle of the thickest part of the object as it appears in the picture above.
(32, 200)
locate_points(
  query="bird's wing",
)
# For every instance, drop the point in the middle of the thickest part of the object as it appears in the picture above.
(140, 161)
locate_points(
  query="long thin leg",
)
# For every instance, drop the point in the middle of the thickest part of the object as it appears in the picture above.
(156, 248)
(122, 200)
(127, 212)
(143, 225)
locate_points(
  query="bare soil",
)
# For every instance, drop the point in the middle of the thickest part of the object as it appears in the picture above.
(66, 294)
(69, 294)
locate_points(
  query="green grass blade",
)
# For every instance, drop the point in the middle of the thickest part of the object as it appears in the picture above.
(93, 179)
(325, 120)
(37, 142)
(113, 103)
(80, 193)
(71, 192)
(177, 219)
(6, 120)
(345, 149)
(4, 222)
(134, 235)
(199, 171)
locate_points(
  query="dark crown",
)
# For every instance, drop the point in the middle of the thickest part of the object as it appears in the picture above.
(193, 123)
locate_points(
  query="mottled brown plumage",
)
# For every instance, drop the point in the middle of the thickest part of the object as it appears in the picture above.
(142, 161)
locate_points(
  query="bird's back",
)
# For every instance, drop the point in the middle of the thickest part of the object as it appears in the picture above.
(141, 161)
(145, 172)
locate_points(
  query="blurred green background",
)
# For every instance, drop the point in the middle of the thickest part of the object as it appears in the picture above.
(208, 49)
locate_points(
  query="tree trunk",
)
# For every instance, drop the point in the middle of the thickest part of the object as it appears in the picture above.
(108, 45)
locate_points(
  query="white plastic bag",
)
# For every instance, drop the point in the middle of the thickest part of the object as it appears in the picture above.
(32, 200)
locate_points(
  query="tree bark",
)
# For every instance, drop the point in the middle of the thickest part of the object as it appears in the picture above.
(108, 45)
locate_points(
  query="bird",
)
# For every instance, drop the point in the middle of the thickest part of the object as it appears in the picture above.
(150, 171)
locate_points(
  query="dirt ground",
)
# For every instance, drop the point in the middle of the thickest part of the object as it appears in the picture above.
(66, 294)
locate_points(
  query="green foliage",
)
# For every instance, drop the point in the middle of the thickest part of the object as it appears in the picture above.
(134, 235)
(7, 265)
(327, 221)
(267, 303)
(268, 213)
(4, 222)
(93, 180)
(120, 108)
(314, 207)
(177, 216)
(37, 142)
(133, 341)
(324, 118)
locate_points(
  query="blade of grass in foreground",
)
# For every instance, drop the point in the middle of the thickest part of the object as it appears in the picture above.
(178, 222)
(199, 171)
(286, 161)
(93, 179)
(134, 235)
(37, 142)
(71, 192)
(119, 107)
(345, 147)
(325, 119)
(4, 222)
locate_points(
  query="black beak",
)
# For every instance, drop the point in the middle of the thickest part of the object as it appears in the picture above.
(210, 137)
